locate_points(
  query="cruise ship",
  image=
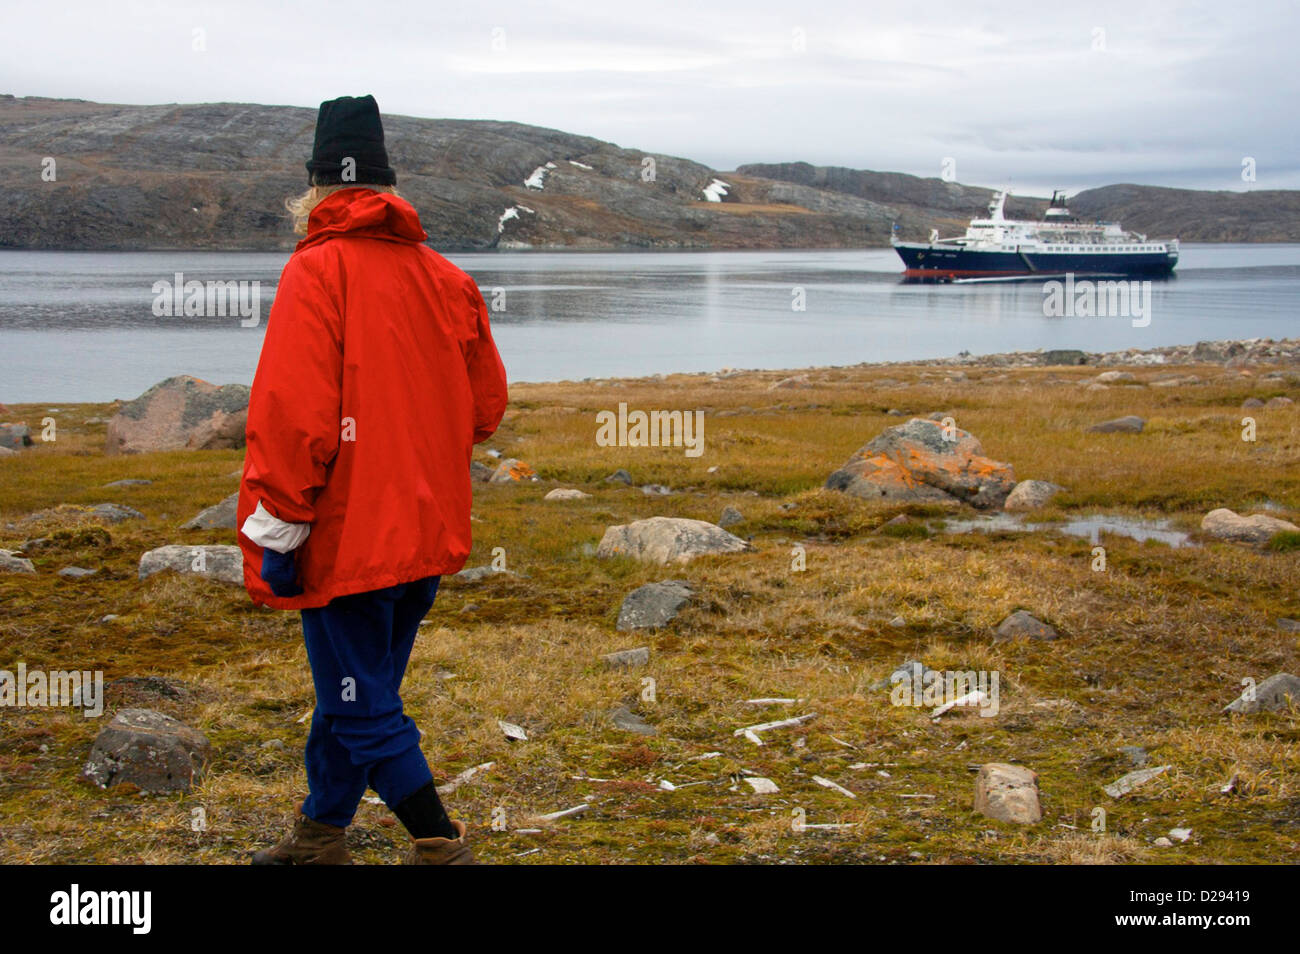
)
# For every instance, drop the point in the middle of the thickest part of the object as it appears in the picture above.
(1000, 248)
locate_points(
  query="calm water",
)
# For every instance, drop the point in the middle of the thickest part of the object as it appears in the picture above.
(79, 326)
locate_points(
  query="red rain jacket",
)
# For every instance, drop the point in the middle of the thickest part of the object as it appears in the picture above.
(378, 374)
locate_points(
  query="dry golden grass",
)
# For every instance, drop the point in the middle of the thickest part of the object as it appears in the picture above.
(1152, 648)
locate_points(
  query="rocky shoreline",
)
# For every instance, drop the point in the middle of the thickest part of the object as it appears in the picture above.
(1232, 353)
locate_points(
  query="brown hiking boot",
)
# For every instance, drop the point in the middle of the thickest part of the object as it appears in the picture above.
(442, 851)
(310, 843)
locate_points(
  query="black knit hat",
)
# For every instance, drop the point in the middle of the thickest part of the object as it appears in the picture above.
(349, 128)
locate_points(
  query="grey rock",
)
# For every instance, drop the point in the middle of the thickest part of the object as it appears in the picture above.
(222, 563)
(627, 658)
(15, 436)
(76, 572)
(1130, 424)
(1216, 350)
(1274, 694)
(730, 517)
(130, 482)
(11, 562)
(1030, 495)
(656, 490)
(1288, 625)
(218, 516)
(922, 461)
(115, 513)
(1064, 356)
(180, 412)
(566, 493)
(1258, 528)
(477, 573)
(627, 720)
(620, 476)
(148, 749)
(654, 604)
(1008, 793)
(668, 540)
(512, 471)
(1022, 625)
(479, 472)
(1127, 783)
(909, 671)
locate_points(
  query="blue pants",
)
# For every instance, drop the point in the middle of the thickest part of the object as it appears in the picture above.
(358, 647)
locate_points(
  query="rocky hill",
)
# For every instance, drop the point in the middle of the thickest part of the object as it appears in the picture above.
(215, 176)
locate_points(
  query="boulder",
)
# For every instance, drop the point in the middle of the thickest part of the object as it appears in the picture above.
(11, 562)
(476, 573)
(923, 461)
(1031, 494)
(1127, 783)
(1008, 793)
(224, 564)
(148, 749)
(627, 658)
(911, 670)
(1279, 402)
(1274, 694)
(76, 572)
(1064, 356)
(654, 605)
(565, 493)
(218, 516)
(15, 436)
(1207, 351)
(1022, 625)
(512, 471)
(668, 540)
(627, 720)
(730, 517)
(479, 472)
(1117, 377)
(1130, 424)
(1223, 524)
(619, 476)
(114, 513)
(180, 413)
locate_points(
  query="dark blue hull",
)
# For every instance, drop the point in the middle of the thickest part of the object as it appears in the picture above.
(944, 263)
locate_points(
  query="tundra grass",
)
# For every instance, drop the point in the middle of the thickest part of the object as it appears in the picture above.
(1152, 647)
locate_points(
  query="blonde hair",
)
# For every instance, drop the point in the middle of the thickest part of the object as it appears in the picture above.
(300, 206)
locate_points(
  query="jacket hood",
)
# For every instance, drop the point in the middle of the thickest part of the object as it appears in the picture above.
(363, 213)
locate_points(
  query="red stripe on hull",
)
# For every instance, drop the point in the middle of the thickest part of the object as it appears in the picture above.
(957, 272)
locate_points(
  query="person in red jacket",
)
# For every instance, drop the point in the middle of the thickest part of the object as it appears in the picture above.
(377, 376)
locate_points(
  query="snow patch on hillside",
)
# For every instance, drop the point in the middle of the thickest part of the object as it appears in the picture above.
(511, 213)
(715, 190)
(538, 179)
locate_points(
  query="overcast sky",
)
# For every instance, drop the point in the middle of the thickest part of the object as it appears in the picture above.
(1032, 95)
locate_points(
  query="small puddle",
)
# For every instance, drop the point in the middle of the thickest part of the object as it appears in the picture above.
(1090, 528)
